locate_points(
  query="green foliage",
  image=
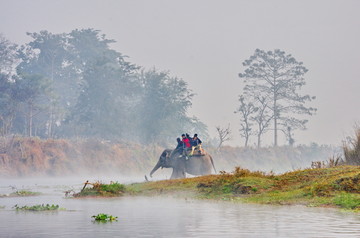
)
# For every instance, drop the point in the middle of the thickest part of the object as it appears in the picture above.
(41, 207)
(8, 104)
(32, 91)
(100, 189)
(112, 188)
(164, 100)
(241, 181)
(313, 187)
(347, 200)
(8, 56)
(74, 84)
(104, 217)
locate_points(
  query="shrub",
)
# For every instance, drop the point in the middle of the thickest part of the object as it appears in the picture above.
(347, 200)
(100, 189)
(351, 149)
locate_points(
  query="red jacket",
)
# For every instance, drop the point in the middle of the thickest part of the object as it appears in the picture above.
(186, 142)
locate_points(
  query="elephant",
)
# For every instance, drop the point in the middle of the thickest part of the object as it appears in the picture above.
(195, 165)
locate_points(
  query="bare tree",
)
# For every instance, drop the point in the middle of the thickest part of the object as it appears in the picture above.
(262, 117)
(246, 110)
(224, 135)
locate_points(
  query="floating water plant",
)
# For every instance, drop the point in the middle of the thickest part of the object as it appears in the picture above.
(41, 207)
(104, 217)
(20, 193)
(24, 193)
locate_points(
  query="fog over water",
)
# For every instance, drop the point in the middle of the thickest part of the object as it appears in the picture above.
(160, 216)
(205, 42)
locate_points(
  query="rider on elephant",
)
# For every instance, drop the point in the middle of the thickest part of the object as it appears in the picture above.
(186, 141)
(180, 145)
(195, 144)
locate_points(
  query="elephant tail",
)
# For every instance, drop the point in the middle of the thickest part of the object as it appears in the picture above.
(212, 162)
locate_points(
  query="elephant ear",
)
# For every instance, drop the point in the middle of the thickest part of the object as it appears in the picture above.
(164, 153)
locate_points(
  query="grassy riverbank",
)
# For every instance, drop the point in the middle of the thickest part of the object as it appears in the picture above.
(333, 187)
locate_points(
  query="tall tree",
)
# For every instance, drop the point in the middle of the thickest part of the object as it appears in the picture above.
(164, 104)
(278, 78)
(47, 55)
(8, 56)
(105, 100)
(32, 91)
(8, 104)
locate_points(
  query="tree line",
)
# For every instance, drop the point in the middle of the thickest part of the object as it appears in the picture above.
(74, 85)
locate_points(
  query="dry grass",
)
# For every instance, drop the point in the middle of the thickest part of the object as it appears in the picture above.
(32, 156)
(311, 187)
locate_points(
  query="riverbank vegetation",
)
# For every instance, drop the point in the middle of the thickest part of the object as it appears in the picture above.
(99, 189)
(334, 187)
(351, 148)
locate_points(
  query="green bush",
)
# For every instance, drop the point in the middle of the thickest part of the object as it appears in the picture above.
(347, 200)
(100, 189)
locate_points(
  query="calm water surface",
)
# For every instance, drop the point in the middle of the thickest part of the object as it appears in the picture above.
(161, 216)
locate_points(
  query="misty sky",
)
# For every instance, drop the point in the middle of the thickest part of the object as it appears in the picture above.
(205, 42)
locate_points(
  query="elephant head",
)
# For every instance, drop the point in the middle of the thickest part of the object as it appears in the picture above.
(164, 161)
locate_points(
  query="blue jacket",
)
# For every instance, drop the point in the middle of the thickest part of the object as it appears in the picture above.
(196, 142)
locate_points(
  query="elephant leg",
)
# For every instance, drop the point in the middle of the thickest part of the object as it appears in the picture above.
(173, 175)
(178, 174)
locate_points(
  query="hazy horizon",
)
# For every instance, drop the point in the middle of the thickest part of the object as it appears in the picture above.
(205, 43)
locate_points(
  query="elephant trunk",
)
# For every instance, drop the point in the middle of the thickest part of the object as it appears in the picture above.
(155, 168)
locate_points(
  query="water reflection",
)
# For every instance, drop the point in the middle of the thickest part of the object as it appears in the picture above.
(167, 217)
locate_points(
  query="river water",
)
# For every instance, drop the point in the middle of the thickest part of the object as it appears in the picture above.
(160, 216)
